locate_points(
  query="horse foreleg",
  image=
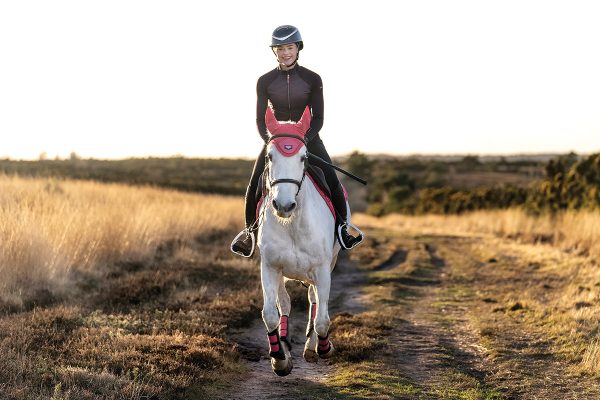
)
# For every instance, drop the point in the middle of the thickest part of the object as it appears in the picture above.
(281, 360)
(322, 322)
(310, 354)
(284, 304)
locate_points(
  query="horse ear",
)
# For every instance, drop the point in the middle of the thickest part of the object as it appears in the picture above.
(305, 120)
(271, 121)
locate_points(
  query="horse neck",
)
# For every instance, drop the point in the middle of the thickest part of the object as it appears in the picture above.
(307, 197)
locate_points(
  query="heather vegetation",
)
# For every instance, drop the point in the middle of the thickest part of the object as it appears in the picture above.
(416, 186)
(223, 176)
(109, 291)
(396, 184)
(407, 185)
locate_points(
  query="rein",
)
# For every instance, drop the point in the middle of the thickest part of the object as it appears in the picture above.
(317, 158)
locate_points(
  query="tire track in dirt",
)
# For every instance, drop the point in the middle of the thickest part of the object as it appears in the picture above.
(427, 350)
(521, 358)
(440, 348)
(396, 259)
(262, 383)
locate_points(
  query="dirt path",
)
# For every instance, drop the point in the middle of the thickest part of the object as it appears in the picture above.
(447, 322)
(262, 383)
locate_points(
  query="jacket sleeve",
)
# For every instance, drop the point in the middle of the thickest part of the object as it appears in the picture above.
(262, 100)
(316, 106)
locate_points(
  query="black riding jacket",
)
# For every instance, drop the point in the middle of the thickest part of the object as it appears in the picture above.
(290, 92)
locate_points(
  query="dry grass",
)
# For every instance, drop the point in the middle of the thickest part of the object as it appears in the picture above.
(577, 231)
(116, 292)
(49, 228)
(545, 277)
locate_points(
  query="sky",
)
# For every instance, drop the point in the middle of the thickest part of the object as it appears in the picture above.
(115, 79)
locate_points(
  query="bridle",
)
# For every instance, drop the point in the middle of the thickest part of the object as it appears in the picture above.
(288, 180)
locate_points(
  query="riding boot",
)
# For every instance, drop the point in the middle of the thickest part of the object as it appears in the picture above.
(245, 241)
(347, 241)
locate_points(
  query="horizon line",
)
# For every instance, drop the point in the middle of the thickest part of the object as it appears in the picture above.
(76, 156)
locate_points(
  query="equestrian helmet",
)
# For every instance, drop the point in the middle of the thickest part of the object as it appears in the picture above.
(286, 34)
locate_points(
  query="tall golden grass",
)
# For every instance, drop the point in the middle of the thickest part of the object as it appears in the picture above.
(577, 231)
(567, 246)
(51, 227)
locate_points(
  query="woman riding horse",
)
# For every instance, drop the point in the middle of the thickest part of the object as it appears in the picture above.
(290, 88)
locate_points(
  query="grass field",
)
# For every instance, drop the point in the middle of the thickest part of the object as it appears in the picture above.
(577, 232)
(559, 253)
(51, 228)
(110, 292)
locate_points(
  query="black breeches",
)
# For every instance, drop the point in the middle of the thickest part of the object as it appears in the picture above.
(315, 147)
(259, 167)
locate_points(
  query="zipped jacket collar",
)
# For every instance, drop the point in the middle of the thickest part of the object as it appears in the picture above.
(291, 71)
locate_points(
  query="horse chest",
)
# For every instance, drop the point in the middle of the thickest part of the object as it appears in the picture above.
(301, 246)
(294, 260)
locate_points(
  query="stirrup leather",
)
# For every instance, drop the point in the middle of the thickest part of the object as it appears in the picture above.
(238, 237)
(359, 238)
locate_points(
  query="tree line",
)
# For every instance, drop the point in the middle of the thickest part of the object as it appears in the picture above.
(409, 185)
(419, 187)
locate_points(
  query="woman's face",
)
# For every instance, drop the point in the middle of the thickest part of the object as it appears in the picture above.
(287, 54)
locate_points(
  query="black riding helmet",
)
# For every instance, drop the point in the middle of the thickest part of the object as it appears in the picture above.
(286, 34)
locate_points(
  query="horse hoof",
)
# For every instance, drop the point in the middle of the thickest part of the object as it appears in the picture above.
(310, 356)
(282, 370)
(283, 367)
(329, 353)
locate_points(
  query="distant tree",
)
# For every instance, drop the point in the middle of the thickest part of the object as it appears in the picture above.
(570, 158)
(74, 156)
(470, 162)
(359, 164)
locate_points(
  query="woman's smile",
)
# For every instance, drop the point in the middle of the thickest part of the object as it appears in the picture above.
(287, 54)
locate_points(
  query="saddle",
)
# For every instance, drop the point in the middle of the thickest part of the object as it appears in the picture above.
(316, 175)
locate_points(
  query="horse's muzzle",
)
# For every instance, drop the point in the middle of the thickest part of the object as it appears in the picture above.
(284, 211)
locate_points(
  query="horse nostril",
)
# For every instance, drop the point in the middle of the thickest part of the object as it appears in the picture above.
(275, 205)
(291, 206)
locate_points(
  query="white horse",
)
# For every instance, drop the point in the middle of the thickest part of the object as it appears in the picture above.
(296, 241)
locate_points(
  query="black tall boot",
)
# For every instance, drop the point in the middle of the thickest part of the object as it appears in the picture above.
(346, 240)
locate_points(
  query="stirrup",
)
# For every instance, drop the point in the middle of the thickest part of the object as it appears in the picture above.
(358, 238)
(244, 232)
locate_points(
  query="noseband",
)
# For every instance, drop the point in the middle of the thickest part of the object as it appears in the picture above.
(288, 180)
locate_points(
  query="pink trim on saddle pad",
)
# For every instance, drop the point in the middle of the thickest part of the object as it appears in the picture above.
(345, 192)
(324, 196)
(259, 205)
